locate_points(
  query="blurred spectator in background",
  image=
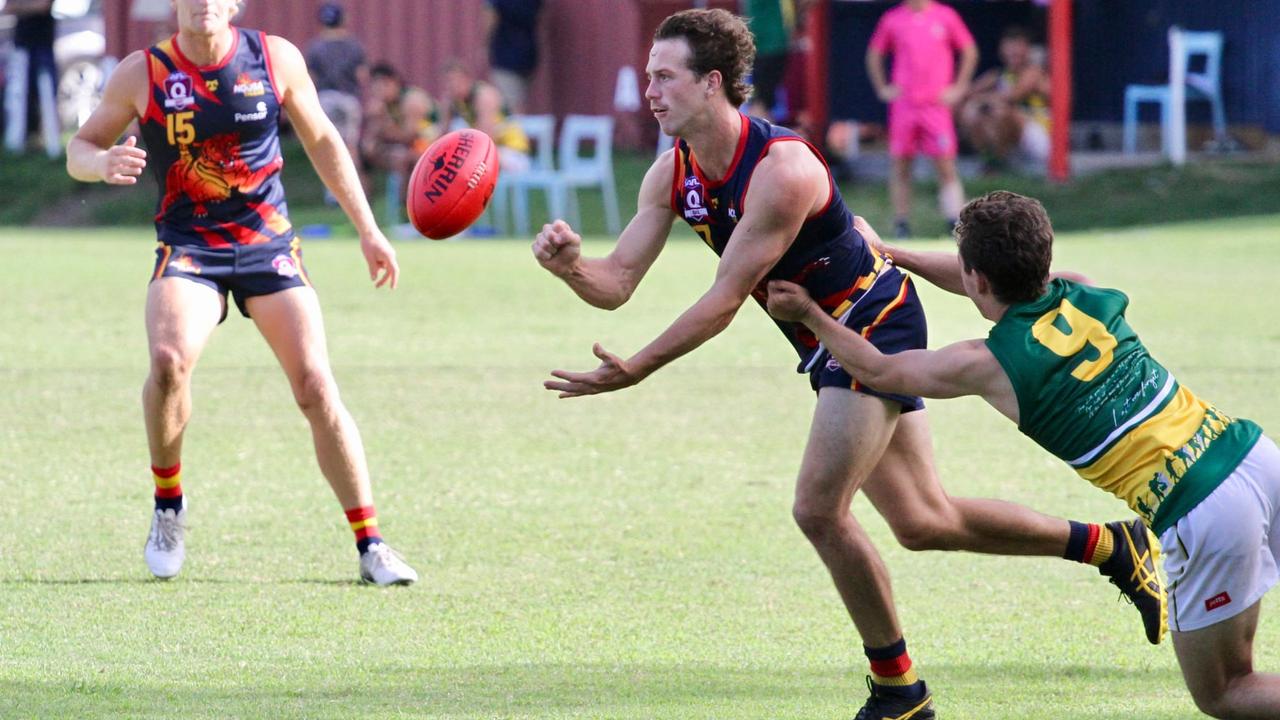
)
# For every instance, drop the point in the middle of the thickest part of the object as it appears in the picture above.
(30, 67)
(420, 120)
(1006, 115)
(478, 104)
(923, 36)
(772, 22)
(336, 61)
(399, 124)
(512, 29)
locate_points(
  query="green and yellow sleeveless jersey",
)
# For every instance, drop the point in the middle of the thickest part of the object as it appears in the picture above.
(1089, 393)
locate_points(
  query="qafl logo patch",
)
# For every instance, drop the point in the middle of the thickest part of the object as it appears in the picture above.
(179, 91)
(695, 206)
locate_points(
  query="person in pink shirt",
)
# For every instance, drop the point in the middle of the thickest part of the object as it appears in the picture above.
(924, 37)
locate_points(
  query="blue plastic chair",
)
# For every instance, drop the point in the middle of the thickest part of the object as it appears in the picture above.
(1205, 85)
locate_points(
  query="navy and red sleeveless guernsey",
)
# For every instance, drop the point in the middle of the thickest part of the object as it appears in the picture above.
(842, 272)
(213, 142)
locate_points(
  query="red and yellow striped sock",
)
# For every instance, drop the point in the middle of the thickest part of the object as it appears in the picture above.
(1089, 543)
(168, 487)
(891, 670)
(364, 523)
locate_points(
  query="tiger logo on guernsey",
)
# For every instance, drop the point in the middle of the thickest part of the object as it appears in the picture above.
(212, 172)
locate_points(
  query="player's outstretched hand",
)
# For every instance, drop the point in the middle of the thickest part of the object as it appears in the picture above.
(788, 301)
(381, 258)
(613, 374)
(557, 248)
(868, 233)
(122, 164)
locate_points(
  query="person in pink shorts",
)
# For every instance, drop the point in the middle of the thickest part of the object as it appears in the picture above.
(924, 37)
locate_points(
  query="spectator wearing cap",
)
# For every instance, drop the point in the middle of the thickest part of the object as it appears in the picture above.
(336, 60)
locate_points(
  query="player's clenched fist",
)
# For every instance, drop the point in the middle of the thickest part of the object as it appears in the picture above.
(557, 247)
(122, 164)
(788, 301)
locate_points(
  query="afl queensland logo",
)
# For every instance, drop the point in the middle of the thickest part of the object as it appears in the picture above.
(178, 91)
(284, 266)
(694, 205)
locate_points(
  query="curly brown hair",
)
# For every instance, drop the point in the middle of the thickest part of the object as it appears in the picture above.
(718, 40)
(1008, 238)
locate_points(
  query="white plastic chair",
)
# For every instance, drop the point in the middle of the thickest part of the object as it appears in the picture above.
(577, 170)
(1183, 85)
(541, 131)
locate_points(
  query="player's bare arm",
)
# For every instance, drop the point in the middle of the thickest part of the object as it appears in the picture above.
(939, 268)
(92, 155)
(608, 282)
(329, 156)
(789, 184)
(963, 368)
(942, 269)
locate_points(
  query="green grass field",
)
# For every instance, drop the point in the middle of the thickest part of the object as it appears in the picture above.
(626, 556)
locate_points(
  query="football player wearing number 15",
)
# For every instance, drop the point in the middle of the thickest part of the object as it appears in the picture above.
(1062, 363)
(208, 101)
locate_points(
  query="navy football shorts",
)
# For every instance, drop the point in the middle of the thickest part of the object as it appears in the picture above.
(889, 315)
(245, 271)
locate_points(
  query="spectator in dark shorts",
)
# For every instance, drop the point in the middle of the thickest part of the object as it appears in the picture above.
(771, 21)
(336, 61)
(513, 47)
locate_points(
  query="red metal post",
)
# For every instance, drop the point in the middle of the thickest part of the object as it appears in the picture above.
(817, 82)
(1060, 81)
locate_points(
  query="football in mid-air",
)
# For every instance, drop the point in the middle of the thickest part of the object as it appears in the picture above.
(452, 183)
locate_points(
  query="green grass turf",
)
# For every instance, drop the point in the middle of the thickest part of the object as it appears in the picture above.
(626, 556)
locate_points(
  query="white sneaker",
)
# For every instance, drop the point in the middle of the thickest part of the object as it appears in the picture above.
(381, 565)
(165, 549)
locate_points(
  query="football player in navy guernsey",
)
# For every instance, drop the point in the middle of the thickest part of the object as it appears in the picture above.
(763, 199)
(208, 102)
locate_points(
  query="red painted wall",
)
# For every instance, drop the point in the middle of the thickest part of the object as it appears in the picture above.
(583, 43)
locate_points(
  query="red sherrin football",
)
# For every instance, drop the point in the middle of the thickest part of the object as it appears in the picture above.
(452, 183)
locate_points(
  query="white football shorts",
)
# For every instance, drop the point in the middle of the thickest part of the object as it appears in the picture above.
(1222, 557)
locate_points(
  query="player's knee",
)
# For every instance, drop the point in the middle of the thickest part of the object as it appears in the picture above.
(817, 524)
(314, 391)
(1213, 705)
(1217, 701)
(170, 368)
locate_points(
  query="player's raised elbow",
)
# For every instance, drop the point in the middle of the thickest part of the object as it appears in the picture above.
(610, 302)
